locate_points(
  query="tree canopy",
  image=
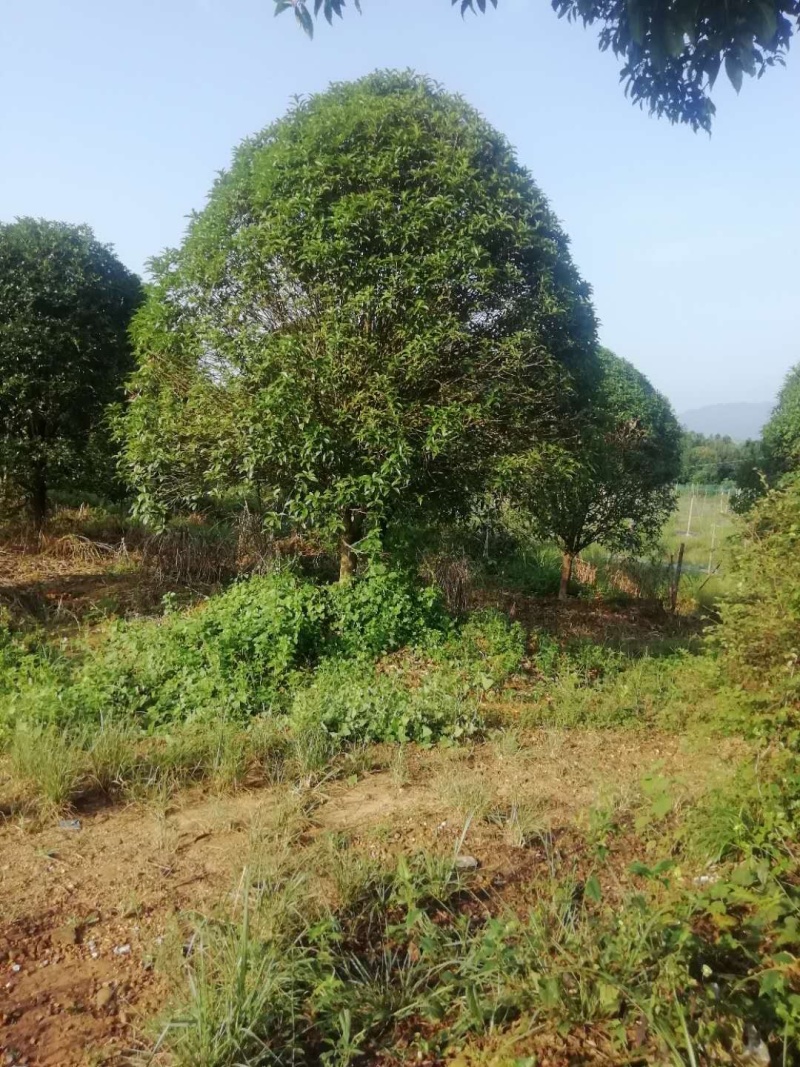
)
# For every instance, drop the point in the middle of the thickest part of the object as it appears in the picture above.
(766, 462)
(375, 304)
(65, 306)
(709, 459)
(671, 54)
(781, 435)
(619, 488)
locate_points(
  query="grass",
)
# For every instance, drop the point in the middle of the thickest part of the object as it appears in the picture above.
(617, 948)
(656, 924)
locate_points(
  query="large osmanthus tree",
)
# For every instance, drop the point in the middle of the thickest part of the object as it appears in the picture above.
(66, 303)
(671, 53)
(618, 489)
(375, 304)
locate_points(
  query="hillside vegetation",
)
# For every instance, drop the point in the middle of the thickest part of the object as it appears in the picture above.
(356, 714)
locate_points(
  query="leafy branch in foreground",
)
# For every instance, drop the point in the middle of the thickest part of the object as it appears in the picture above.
(671, 53)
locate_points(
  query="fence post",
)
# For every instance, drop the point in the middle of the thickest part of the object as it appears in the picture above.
(713, 543)
(676, 581)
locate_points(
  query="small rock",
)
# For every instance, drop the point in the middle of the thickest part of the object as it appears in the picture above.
(466, 863)
(640, 1032)
(104, 998)
(756, 1051)
(122, 950)
(66, 935)
(69, 824)
(16, 967)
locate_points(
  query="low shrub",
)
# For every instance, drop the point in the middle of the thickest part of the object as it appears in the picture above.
(488, 644)
(382, 611)
(350, 701)
(236, 656)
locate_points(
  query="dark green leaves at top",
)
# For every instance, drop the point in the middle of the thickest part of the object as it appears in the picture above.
(734, 70)
(65, 305)
(470, 5)
(329, 8)
(670, 53)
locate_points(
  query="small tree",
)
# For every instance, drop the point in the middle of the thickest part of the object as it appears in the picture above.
(375, 304)
(65, 306)
(619, 487)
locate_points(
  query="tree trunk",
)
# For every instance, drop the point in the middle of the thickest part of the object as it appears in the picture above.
(566, 574)
(38, 500)
(352, 526)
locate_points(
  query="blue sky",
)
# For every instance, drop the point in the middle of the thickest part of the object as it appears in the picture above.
(119, 114)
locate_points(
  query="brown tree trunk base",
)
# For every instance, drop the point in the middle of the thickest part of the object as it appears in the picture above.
(566, 575)
(38, 503)
(353, 525)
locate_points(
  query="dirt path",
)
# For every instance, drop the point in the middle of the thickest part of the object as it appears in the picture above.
(86, 910)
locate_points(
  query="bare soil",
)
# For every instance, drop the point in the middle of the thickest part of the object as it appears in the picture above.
(86, 911)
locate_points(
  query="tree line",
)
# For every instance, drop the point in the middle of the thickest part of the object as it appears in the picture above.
(374, 321)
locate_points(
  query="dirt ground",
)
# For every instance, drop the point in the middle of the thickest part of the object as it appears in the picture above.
(87, 906)
(93, 907)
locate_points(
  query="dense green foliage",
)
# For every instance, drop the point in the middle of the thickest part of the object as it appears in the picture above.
(709, 460)
(781, 435)
(376, 303)
(764, 463)
(248, 651)
(65, 305)
(376, 322)
(761, 620)
(620, 487)
(671, 54)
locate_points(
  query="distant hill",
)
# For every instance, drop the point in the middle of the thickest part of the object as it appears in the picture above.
(739, 421)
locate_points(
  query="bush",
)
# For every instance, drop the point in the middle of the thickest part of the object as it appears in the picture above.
(489, 643)
(382, 611)
(231, 658)
(757, 637)
(350, 701)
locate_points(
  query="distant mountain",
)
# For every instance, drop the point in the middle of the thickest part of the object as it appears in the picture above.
(739, 421)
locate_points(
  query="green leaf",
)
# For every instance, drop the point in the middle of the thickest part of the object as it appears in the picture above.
(636, 21)
(673, 38)
(592, 889)
(303, 16)
(662, 806)
(733, 69)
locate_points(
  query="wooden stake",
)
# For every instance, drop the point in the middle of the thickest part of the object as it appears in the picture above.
(673, 595)
(713, 542)
(689, 523)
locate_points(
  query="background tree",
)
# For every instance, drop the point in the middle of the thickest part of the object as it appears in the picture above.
(781, 435)
(766, 462)
(708, 459)
(376, 302)
(65, 306)
(618, 489)
(671, 53)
